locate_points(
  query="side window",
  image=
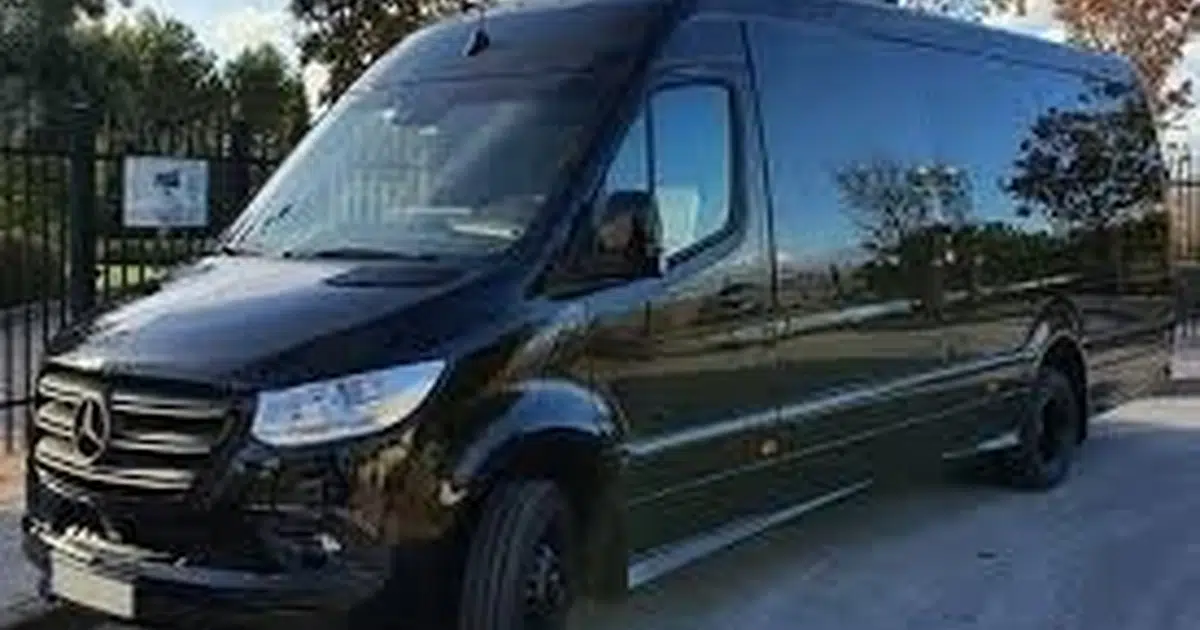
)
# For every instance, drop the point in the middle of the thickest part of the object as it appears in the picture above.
(851, 171)
(679, 149)
(988, 135)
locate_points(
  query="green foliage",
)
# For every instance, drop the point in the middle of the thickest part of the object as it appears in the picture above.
(151, 70)
(268, 96)
(1089, 167)
(30, 268)
(153, 88)
(346, 37)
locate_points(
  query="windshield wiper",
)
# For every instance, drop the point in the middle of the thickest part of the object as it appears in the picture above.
(229, 250)
(359, 253)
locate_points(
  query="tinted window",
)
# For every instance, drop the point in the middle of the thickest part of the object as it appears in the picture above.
(848, 157)
(982, 135)
(679, 149)
(1052, 158)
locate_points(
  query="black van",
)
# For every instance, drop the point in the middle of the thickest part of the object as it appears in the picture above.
(556, 301)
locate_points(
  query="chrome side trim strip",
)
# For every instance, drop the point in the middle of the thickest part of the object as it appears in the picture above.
(703, 433)
(659, 562)
(830, 404)
(1006, 440)
(913, 384)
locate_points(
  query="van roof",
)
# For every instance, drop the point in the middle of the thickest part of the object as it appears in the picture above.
(893, 22)
(875, 17)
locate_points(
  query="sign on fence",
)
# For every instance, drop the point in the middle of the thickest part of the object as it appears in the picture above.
(165, 192)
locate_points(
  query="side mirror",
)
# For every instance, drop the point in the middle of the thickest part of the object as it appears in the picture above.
(627, 237)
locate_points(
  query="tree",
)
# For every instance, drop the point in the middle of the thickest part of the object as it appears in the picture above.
(346, 36)
(269, 96)
(906, 216)
(151, 71)
(1087, 167)
(888, 202)
(1094, 171)
(39, 45)
(1152, 33)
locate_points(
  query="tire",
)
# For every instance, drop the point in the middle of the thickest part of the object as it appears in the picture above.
(1049, 435)
(520, 565)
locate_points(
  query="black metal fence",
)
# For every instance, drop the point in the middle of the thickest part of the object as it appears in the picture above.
(1184, 202)
(68, 245)
(71, 241)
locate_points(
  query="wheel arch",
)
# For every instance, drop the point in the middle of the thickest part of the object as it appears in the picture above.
(561, 432)
(1064, 352)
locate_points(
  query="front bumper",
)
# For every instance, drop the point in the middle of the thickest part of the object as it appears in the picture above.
(174, 594)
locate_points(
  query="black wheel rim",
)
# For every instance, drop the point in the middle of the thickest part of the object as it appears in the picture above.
(547, 592)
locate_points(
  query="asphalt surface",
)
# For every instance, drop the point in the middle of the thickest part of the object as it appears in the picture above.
(1117, 548)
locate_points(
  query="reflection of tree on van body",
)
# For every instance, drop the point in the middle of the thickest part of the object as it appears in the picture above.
(905, 215)
(1004, 254)
(1090, 170)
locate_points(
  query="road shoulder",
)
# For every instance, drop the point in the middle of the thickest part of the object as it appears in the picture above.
(19, 602)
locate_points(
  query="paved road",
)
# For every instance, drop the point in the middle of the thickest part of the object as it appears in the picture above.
(17, 579)
(1116, 549)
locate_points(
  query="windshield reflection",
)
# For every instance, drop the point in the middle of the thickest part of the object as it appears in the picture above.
(426, 170)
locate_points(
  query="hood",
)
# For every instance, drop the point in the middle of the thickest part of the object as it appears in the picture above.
(247, 322)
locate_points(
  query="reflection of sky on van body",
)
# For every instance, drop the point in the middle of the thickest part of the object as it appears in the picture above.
(836, 121)
(691, 158)
(839, 123)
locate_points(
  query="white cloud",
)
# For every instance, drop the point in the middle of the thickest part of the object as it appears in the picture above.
(1038, 21)
(1188, 129)
(315, 76)
(232, 32)
(118, 14)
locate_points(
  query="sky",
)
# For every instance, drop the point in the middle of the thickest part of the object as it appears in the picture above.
(229, 26)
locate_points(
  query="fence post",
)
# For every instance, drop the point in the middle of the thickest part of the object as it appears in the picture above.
(82, 270)
(239, 160)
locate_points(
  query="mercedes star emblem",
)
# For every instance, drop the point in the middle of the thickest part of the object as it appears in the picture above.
(92, 428)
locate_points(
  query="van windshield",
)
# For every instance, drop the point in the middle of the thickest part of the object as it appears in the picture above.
(437, 169)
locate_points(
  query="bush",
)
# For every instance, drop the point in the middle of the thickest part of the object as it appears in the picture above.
(148, 250)
(31, 269)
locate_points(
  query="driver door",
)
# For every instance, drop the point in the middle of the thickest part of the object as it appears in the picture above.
(685, 356)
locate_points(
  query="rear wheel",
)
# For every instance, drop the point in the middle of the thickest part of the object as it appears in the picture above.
(1049, 435)
(520, 567)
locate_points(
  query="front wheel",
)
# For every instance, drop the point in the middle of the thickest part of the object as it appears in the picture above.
(1049, 435)
(520, 562)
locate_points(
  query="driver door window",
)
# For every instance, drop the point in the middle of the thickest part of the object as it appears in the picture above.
(679, 150)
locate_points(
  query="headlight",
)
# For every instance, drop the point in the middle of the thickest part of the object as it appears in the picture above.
(344, 407)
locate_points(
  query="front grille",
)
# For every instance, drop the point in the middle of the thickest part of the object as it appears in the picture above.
(163, 437)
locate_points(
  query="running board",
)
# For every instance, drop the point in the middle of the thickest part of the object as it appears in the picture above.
(668, 558)
(1006, 440)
